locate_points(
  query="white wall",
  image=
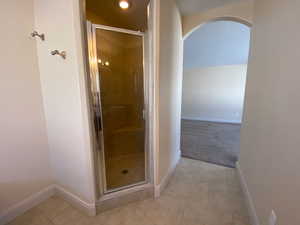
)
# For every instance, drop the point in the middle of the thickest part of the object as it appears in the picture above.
(241, 10)
(24, 164)
(214, 93)
(270, 132)
(170, 82)
(64, 95)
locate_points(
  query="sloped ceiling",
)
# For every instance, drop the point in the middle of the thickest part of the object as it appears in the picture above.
(217, 44)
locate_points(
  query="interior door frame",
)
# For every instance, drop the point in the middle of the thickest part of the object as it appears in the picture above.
(92, 28)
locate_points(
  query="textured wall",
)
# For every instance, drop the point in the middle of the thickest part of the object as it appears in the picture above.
(241, 10)
(64, 96)
(24, 164)
(214, 93)
(170, 82)
(270, 131)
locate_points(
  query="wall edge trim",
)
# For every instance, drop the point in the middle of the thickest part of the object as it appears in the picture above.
(158, 189)
(249, 200)
(26, 204)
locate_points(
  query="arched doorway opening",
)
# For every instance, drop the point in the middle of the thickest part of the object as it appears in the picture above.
(216, 19)
(214, 80)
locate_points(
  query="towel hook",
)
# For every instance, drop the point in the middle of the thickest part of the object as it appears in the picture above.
(36, 34)
(63, 54)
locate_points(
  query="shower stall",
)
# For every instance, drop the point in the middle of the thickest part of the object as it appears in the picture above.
(119, 104)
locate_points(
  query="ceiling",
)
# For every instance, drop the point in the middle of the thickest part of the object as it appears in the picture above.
(188, 7)
(135, 18)
(217, 44)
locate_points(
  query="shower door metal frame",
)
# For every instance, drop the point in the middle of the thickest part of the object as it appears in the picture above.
(93, 54)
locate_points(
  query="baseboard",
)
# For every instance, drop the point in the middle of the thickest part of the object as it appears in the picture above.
(158, 189)
(37, 198)
(114, 200)
(75, 201)
(25, 205)
(247, 195)
(212, 120)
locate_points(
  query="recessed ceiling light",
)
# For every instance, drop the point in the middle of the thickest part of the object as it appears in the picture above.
(124, 4)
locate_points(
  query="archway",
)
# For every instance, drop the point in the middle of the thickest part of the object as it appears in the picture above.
(221, 18)
(214, 78)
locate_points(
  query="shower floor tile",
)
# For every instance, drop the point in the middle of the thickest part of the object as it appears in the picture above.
(125, 170)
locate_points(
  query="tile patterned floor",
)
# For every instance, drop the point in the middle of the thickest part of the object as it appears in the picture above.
(198, 194)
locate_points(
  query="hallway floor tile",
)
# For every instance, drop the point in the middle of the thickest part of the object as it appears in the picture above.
(198, 194)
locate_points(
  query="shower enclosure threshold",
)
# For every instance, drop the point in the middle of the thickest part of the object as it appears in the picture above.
(125, 187)
(122, 197)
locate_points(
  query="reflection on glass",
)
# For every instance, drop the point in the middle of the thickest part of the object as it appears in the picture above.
(120, 65)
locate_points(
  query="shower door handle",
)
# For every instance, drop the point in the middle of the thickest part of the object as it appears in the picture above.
(144, 114)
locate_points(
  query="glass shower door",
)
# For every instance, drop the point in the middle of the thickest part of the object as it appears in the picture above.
(121, 85)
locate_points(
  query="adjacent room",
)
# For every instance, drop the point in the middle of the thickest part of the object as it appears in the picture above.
(214, 78)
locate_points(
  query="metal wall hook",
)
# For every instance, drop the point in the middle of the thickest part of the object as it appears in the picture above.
(36, 34)
(63, 54)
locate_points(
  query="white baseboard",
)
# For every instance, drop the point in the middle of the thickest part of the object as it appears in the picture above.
(25, 205)
(75, 201)
(211, 120)
(158, 189)
(37, 198)
(248, 197)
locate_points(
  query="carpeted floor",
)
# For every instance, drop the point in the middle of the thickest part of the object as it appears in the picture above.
(217, 143)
